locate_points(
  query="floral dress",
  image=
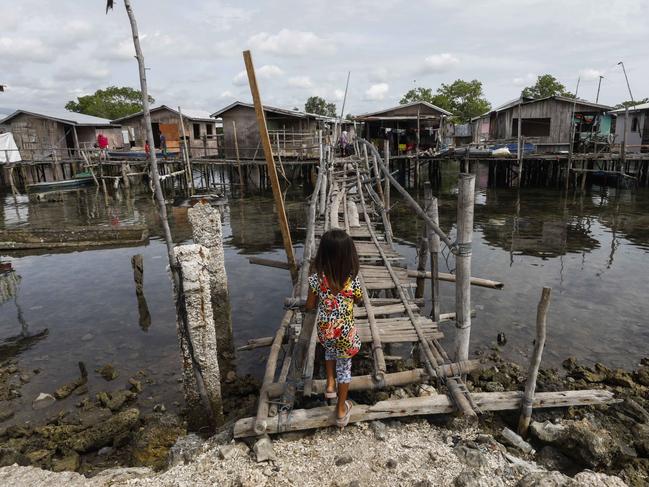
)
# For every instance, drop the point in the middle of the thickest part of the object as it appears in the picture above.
(335, 317)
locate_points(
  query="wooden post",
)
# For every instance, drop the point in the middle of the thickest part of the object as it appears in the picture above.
(430, 204)
(386, 184)
(236, 153)
(192, 260)
(535, 362)
(137, 262)
(422, 254)
(624, 136)
(466, 189)
(519, 149)
(186, 154)
(270, 163)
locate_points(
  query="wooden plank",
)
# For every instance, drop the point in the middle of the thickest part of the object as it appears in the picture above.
(322, 417)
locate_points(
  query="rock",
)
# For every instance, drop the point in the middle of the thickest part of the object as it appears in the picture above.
(5, 412)
(66, 389)
(553, 459)
(399, 393)
(185, 449)
(391, 463)
(152, 444)
(230, 377)
(87, 337)
(493, 387)
(116, 399)
(354, 483)
(621, 378)
(592, 479)
(9, 456)
(159, 408)
(39, 457)
(633, 409)
(24, 378)
(470, 456)
(641, 437)
(70, 462)
(380, 430)
(117, 475)
(233, 450)
(264, 449)
(108, 372)
(43, 401)
(93, 416)
(103, 433)
(547, 432)
(135, 385)
(642, 376)
(468, 478)
(343, 460)
(105, 451)
(544, 479)
(426, 390)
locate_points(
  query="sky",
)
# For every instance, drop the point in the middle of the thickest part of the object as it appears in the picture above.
(53, 52)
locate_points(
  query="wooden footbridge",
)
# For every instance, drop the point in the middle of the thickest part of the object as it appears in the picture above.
(352, 193)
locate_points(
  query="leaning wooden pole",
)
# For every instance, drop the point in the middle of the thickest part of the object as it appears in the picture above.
(535, 362)
(466, 189)
(270, 163)
(186, 154)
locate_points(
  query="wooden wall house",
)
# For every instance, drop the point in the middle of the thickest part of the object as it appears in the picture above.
(293, 133)
(635, 122)
(200, 130)
(401, 124)
(545, 122)
(49, 135)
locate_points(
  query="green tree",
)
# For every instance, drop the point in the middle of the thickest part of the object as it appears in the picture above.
(630, 103)
(546, 85)
(111, 103)
(464, 99)
(319, 106)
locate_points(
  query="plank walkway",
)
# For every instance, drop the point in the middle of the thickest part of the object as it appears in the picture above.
(389, 314)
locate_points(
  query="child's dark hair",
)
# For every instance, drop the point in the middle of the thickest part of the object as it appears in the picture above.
(336, 257)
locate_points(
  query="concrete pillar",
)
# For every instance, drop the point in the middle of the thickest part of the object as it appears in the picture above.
(201, 375)
(207, 231)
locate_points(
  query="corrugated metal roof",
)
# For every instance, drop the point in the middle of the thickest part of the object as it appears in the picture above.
(62, 116)
(635, 108)
(429, 105)
(268, 108)
(191, 114)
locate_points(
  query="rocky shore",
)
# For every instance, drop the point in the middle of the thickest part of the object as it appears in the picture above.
(607, 446)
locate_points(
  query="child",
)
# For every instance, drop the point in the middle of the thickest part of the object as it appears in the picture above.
(335, 288)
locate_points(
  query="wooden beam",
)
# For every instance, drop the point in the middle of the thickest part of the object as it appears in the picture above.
(270, 164)
(445, 276)
(323, 417)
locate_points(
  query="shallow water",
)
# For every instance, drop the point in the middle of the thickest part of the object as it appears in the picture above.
(592, 249)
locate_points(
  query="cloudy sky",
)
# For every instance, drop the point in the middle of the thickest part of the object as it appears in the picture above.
(52, 52)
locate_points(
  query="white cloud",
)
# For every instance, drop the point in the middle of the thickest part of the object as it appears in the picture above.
(291, 43)
(122, 51)
(378, 75)
(300, 82)
(590, 74)
(526, 80)
(339, 95)
(439, 63)
(24, 50)
(226, 94)
(377, 92)
(82, 72)
(267, 71)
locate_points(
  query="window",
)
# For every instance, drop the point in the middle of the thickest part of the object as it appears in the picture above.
(197, 130)
(209, 127)
(532, 127)
(634, 124)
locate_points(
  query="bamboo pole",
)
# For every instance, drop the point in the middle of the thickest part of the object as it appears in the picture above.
(236, 152)
(466, 188)
(270, 163)
(447, 277)
(430, 204)
(184, 336)
(186, 154)
(535, 362)
(386, 184)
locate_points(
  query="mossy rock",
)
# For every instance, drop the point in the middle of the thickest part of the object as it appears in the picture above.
(152, 443)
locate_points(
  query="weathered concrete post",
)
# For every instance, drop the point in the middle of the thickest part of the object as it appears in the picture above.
(466, 190)
(198, 344)
(207, 231)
